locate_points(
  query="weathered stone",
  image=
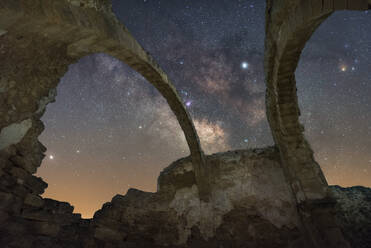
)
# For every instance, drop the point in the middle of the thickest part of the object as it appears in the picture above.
(44, 228)
(58, 207)
(106, 234)
(3, 216)
(92, 28)
(250, 205)
(34, 200)
(251, 198)
(13, 133)
(6, 199)
(25, 162)
(289, 25)
(36, 184)
(353, 212)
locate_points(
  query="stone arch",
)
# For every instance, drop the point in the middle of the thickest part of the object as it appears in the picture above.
(40, 39)
(289, 25)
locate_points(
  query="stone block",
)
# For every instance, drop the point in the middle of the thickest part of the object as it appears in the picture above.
(107, 234)
(14, 133)
(3, 216)
(34, 200)
(25, 163)
(6, 200)
(44, 228)
(19, 173)
(340, 4)
(37, 215)
(317, 7)
(306, 7)
(328, 5)
(358, 5)
(58, 207)
(36, 184)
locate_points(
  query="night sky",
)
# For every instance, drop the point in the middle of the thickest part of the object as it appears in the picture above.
(110, 130)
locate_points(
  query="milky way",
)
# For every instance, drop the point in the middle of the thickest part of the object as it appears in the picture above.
(110, 130)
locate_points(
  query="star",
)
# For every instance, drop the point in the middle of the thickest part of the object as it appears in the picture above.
(51, 157)
(246, 140)
(343, 68)
(77, 151)
(245, 65)
(188, 103)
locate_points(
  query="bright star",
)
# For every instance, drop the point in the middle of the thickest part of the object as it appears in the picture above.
(245, 65)
(188, 103)
(51, 157)
(343, 68)
(246, 140)
(77, 151)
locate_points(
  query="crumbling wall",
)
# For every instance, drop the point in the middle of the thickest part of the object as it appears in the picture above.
(250, 193)
(251, 205)
(248, 196)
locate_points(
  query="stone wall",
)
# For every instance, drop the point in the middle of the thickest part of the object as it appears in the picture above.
(289, 25)
(248, 197)
(40, 39)
(256, 198)
(251, 205)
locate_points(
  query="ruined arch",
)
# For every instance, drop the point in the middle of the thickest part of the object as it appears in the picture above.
(39, 39)
(58, 33)
(290, 24)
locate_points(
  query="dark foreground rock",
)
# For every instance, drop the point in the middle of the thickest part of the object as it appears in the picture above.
(353, 212)
(250, 202)
(251, 206)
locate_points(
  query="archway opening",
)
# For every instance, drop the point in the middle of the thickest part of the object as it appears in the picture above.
(217, 69)
(222, 88)
(109, 130)
(333, 91)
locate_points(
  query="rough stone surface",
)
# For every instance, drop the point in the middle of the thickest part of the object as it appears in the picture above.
(271, 197)
(248, 196)
(251, 205)
(353, 212)
(289, 25)
(44, 38)
(14, 133)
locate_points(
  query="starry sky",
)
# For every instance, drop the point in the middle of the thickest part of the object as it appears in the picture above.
(110, 130)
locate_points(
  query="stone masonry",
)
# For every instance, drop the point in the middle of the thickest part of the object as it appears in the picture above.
(269, 197)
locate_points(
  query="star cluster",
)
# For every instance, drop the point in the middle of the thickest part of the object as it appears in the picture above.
(110, 130)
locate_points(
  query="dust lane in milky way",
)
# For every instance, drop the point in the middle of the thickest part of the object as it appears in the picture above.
(110, 130)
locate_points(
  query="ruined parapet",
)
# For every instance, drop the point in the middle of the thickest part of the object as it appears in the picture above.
(251, 204)
(249, 195)
(250, 200)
